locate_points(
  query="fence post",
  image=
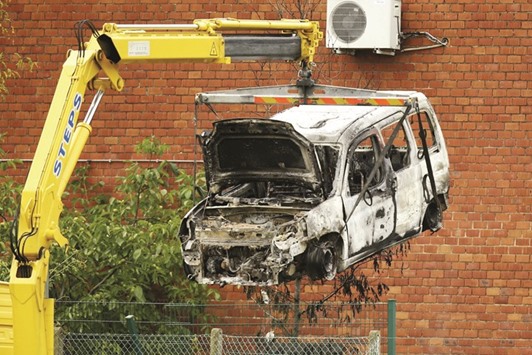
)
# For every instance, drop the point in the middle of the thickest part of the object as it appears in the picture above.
(134, 331)
(216, 341)
(374, 343)
(392, 309)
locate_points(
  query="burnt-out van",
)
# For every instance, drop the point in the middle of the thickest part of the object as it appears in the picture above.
(315, 189)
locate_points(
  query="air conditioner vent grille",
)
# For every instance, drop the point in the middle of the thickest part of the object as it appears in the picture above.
(348, 21)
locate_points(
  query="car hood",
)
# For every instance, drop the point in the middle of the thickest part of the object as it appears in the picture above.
(248, 150)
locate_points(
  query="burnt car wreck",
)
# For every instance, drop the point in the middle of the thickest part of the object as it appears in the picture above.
(314, 190)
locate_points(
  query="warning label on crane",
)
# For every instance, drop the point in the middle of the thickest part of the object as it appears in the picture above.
(214, 50)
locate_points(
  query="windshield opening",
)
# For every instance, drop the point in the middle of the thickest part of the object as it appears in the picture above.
(328, 160)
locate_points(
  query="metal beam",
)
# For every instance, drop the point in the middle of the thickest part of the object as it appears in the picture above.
(266, 47)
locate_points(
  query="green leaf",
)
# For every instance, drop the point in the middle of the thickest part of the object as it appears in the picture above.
(136, 254)
(139, 294)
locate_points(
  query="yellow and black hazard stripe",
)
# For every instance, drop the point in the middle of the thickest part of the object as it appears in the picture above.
(272, 100)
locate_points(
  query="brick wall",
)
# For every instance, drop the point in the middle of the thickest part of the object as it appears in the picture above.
(466, 289)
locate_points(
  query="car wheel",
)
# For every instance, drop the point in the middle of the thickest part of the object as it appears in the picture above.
(433, 219)
(329, 264)
(321, 262)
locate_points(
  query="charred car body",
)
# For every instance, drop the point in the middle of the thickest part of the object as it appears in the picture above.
(314, 190)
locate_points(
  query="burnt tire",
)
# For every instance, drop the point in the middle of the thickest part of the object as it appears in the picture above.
(433, 218)
(321, 262)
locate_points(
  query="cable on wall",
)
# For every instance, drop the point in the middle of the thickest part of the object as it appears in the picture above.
(443, 42)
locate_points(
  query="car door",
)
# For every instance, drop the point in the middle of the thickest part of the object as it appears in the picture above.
(369, 217)
(407, 188)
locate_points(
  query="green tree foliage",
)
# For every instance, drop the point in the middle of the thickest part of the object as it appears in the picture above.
(124, 246)
(10, 64)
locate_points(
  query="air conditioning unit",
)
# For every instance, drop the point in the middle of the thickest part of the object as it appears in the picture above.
(363, 24)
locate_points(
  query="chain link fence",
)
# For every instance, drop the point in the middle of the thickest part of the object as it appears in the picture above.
(221, 329)
(212, 344)
(128, 344)
(235, 345)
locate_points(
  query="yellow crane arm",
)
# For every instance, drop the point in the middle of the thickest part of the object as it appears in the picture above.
(63, 138)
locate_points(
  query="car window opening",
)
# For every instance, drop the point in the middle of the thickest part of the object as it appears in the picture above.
(399, 153)
(427, 126)
(361, 163)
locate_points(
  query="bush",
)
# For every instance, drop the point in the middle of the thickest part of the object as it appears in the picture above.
(123, 246)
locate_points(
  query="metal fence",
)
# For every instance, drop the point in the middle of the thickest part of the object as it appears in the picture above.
(235, 345)
(125, 344)
(128, 344)
(213, 344)
(223, 328)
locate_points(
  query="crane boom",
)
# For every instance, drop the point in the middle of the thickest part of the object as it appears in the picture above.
(62, 140)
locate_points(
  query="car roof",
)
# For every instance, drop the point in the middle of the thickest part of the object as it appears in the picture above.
(334, 123)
